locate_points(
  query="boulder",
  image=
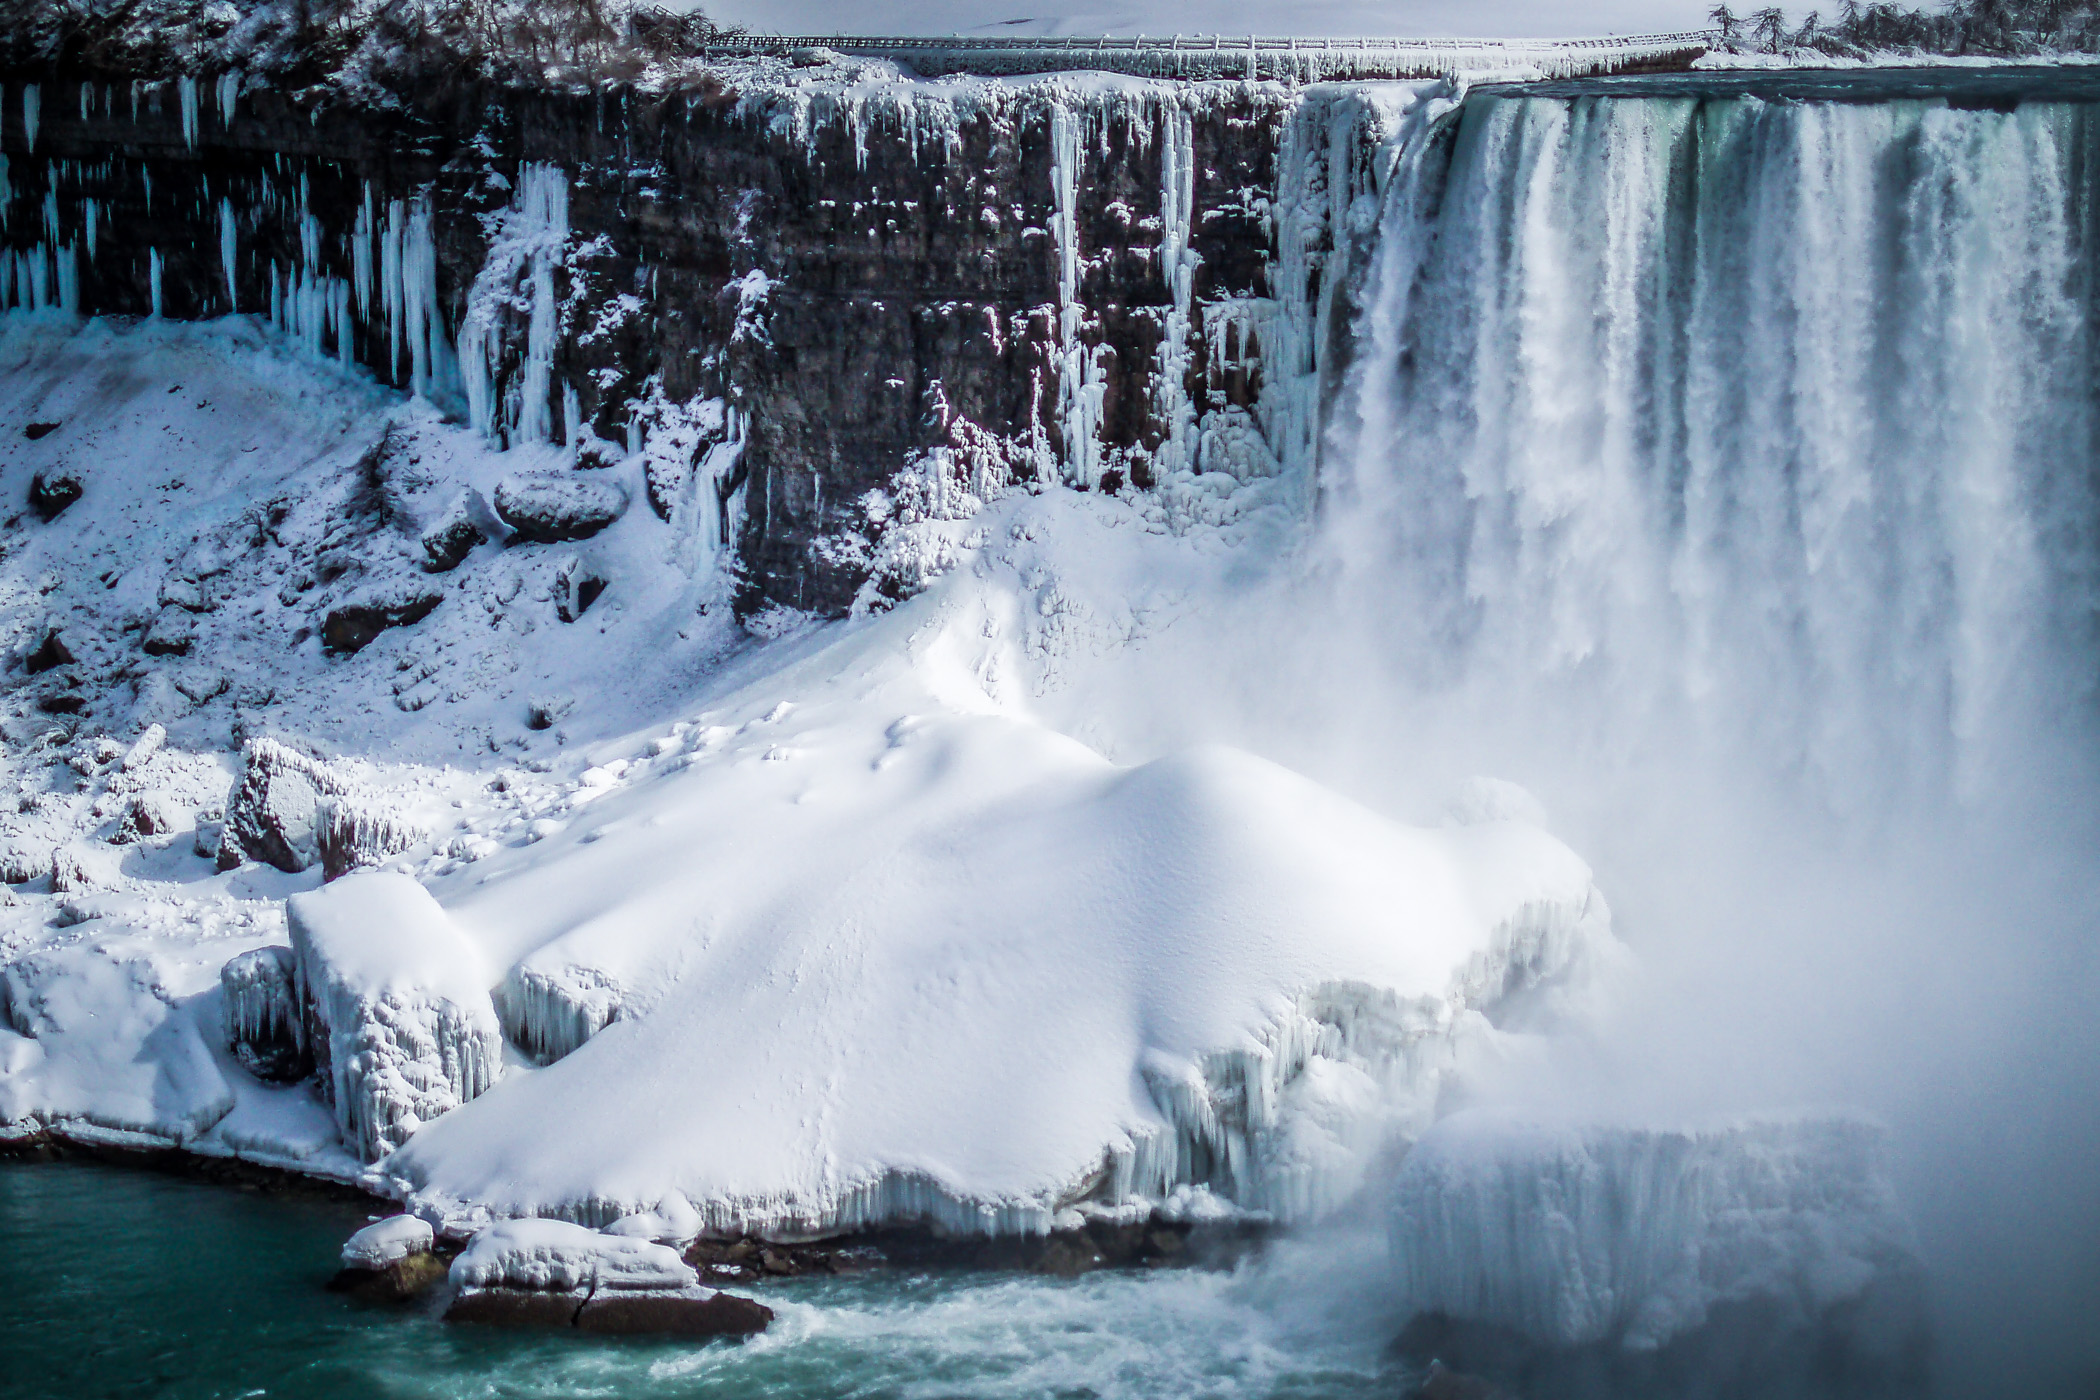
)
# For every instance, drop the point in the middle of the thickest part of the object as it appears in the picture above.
(50, 654)
(693, 1312)
(171, 634)
(551, 507)
(515, 1307)
(396, 1282)
(273, 813)
(50, 494)
(576, 587)
(259, 1009)
(447, 543)
(146, 814)
(357, 833)
(396, 1007)
(352, 624)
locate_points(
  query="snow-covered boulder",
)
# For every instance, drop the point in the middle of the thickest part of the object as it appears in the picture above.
(384, 1241)
(554, 1254)
(96, 1037)
(273, 812)
(398, 1010)
(550, 507)
(351, 625)
(259, 1005)
(1573, 1235)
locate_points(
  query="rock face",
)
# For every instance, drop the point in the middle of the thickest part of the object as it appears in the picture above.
(793, 292)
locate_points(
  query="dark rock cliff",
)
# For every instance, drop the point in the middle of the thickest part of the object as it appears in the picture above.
(1063, 280)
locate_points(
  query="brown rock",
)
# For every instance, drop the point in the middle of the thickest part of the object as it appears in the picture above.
(398, 1282)
(515, 1307)
(683, 1314)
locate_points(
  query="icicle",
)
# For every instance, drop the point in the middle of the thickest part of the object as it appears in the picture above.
(88, 215)
(533, 236)
(186, 90)
(226, 256)
(87, 100)
(68, 261)
(361, 257)
(229, 93)
(153, 279)
(31, 110)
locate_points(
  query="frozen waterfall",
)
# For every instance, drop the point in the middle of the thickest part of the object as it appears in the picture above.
(1764, 423)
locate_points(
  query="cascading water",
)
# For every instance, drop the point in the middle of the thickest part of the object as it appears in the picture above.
(1724, 468)
(1763, 426)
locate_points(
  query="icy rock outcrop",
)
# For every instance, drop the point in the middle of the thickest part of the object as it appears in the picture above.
(273, 814)
(355, 832)
(384, 1241)
(259, 1005)
(465, 525)
(549, 1011)
(172, 634)
(551, 508)
(1571, 1235)
(352, 624)
(554, 1254)
(396, 1007)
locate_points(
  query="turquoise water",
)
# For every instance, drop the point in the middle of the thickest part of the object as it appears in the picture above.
(131, 1283)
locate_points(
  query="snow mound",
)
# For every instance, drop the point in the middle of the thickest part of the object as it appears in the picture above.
(401, 1025)
(96, 1036)
(555, 1254)
(964, 970)
(1574, 1234)
(382, 1242)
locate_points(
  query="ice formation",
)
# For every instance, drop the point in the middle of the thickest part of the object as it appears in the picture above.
(1572, 1234)
(265, 1026)
(555, 1254)
(384, 1241)
(397, 1007)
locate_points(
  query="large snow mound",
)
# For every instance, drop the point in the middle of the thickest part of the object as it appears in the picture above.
(1580, 1233)
(965, 967)
(402, 1028)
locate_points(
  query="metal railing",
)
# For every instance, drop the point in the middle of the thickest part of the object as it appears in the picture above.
(1179, 43)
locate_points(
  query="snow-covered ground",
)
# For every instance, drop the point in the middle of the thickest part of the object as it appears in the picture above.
(846, 924)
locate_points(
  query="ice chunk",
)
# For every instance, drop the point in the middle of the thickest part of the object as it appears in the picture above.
(259, 1007)
(549, 1011)
(1575, 1234)
(398, 1010)
(557, 1254)
(382, 1242)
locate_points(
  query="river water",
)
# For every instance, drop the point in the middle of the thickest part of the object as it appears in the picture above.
(133, 1283)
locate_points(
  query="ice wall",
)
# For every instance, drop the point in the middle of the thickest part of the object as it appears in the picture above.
(1572, 1235)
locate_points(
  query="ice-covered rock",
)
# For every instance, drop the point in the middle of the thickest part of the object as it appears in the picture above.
(272, 814)
(357, 831)
(1572, 1234)
(967, 972)
(398, 1012)
(259, 1008)
(554, 1254)
(550, 1008)
(551, 507)
(384, 1241)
